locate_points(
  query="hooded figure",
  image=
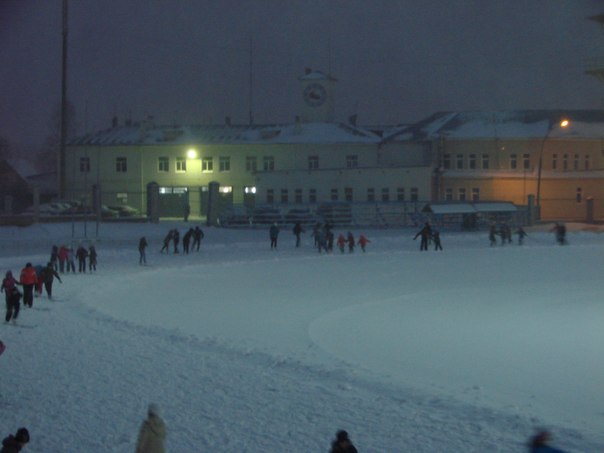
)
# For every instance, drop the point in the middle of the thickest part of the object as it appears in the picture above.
(14, 444)
(342, 443)
(152, 434)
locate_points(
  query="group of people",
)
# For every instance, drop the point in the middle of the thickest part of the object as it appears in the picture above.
(428, 235)
(173, 237)
(504, 231)
(63, 258)
(323, 238)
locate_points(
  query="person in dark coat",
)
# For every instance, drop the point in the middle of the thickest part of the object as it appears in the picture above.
(297, 230)
(14, 444)
(521, 235)
(81, 255)
(274, 235)
(176, 239)
(342, 444)
(186, 240)
(48, 275)
(54, 257)
(425, 233)
(436, 239)
(492, 235)
(12, 295)
(197, 237)
(351, 242)
(167, 241)
(142, 245)
(92, 256)
(539, 443)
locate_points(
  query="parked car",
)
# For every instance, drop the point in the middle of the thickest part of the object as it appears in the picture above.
(123, 210)
(236, 216)
(266, 216)
(304, 216)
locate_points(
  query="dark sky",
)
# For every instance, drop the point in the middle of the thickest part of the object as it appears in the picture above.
(396, 61)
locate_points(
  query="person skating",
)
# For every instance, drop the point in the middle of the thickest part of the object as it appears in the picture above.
(63, 254)
(560, 230)
(341, 242)
(521, 235)
(492, 235)
(142, 245)
(176, 239)
(81, 255)
(48, 276)
(197, 237)
(12, 296)
(342, 443)
(539, 443)
(167, 241)
(436, 239)
(322, 240)
(15, 443)
(297, 230)
(350, 241)
(70, 260)
(425, 233)
(92, 258)
(54, 257)
(39, 282)
(274, 235)
(186, 240)
(363, 241)
(28, 279)
(152, 433)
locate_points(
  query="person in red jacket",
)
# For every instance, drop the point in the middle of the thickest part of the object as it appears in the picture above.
(341, 242)
(63, 255)
(28, 280)
(363, 241)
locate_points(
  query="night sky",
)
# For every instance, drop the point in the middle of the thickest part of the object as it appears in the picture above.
(187, 61)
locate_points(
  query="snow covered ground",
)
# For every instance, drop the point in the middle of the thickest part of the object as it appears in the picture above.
(246, 349)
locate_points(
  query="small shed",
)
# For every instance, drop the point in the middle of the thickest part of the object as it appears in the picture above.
(471, 216)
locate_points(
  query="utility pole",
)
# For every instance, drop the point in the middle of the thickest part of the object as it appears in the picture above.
(251, 81)
(61, 157)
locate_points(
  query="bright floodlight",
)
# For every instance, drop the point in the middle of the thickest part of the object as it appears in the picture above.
(564, 123)
(191, 154)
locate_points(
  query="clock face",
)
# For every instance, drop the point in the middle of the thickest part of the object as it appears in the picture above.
(315, 95)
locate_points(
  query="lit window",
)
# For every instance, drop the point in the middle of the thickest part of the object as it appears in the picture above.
(163, 164)
(84, 164)
(224, 163)
(313, 162)
(249, 190)
(121, 164)
(207, 165)
(225, 189)
(181, 165)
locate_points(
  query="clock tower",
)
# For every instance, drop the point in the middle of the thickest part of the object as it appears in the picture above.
(317, 97)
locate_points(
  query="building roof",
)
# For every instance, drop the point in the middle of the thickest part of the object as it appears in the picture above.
(520, 124)
(148, 134)
(469, 208)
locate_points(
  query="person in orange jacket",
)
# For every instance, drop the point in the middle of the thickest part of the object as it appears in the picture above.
(363, 241)
(28, 279)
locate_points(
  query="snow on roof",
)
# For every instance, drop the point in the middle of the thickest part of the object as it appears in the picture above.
(234, 134)
(23, 167)
(317, 75)
(468, 208)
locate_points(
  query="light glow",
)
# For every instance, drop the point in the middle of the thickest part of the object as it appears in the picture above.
(192, 153)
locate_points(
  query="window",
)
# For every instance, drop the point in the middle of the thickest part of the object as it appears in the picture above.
(84, 164)
(576, 162)
(485, 161)
(268, 163)
(163, 164)
(348, 193)
(224, 163)
(459, 162)
(526, 161)
(207, 165)
(334, 194)
(565, 162)
(370, 194)
(270, 196)
(472, 162)
(414, 194)
(475, 194)
(312, 195)
(400, 194)
(251, 164)
(313, 162)
(385, 194)
(181, 165)
(461, 194)
(448, 194)
(579, 195)
(554, 161)
(284, 196)
(513, 161)
(298, 195)
(587, 162)
(446, 161)
(352, 161)
(121, 164)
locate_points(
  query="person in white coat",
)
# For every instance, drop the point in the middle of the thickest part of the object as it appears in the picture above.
(152, 434)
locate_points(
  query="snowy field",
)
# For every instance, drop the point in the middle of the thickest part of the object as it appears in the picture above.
(251, 350)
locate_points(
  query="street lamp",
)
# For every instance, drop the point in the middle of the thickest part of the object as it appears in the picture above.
(192, 153)
(563, 123)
